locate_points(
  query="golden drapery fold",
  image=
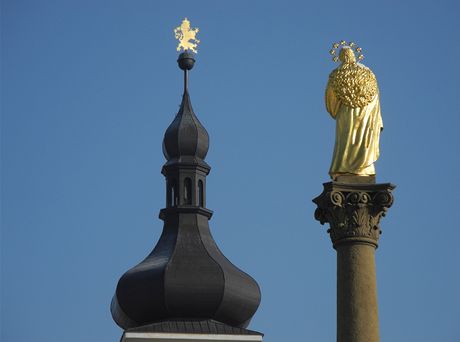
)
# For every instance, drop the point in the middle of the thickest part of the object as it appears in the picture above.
(357, 135)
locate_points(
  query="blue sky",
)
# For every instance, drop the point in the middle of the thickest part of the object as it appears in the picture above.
(88, 89)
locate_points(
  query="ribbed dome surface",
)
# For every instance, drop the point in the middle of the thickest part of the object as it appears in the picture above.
(186, 136)
(185, 276)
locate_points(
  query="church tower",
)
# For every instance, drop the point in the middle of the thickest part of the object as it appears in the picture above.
(186, 289)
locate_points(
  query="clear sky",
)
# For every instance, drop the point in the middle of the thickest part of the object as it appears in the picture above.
(88, 88)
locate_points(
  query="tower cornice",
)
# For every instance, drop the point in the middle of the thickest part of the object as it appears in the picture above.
(167, 212)
(185, 164)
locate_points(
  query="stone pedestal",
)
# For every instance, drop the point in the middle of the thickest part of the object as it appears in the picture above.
(353, 212)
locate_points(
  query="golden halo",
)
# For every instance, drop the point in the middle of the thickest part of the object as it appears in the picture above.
(343, 43)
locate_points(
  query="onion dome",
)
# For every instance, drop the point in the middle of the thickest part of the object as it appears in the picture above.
(186, 136)
(186, 278)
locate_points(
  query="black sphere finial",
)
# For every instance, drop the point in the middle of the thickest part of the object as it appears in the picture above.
(186, 60)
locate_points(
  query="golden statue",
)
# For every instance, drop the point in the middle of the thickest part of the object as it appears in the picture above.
(186, 36)
(352, 99)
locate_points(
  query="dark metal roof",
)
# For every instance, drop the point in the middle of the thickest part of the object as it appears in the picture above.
(186, 136)
(193, 327)
(186, 278)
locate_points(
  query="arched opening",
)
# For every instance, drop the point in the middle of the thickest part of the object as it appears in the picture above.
(188, 191)
(200, 193)
(172, 194)
(168, 194)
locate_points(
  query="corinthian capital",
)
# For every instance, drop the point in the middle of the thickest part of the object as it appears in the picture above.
(353, 211)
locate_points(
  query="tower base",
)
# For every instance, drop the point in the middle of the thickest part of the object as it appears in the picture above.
(169, 337)
(190, 331)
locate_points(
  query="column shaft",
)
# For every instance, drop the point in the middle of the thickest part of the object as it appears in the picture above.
(357, 311)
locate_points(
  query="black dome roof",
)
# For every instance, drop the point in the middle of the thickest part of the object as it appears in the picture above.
(186, 136)
(186, 277)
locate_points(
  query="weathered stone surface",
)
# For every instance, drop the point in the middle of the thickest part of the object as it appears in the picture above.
(353, 211)
(357, 307)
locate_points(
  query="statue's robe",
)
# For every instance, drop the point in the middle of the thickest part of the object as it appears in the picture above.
(357, 136)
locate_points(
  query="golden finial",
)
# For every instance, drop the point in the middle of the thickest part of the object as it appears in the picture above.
(186, 36)
(341, 45)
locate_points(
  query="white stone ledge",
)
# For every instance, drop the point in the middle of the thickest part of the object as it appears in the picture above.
(175, 337)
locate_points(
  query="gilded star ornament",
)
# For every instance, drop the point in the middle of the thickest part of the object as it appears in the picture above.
(341, 44)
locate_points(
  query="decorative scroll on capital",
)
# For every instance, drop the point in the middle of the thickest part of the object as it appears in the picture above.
(353, 211)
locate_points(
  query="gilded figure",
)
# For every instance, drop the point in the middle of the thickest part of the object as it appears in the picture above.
(186, 36)
(352, 99)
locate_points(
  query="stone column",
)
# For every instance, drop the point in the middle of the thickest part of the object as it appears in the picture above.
(353, 212)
